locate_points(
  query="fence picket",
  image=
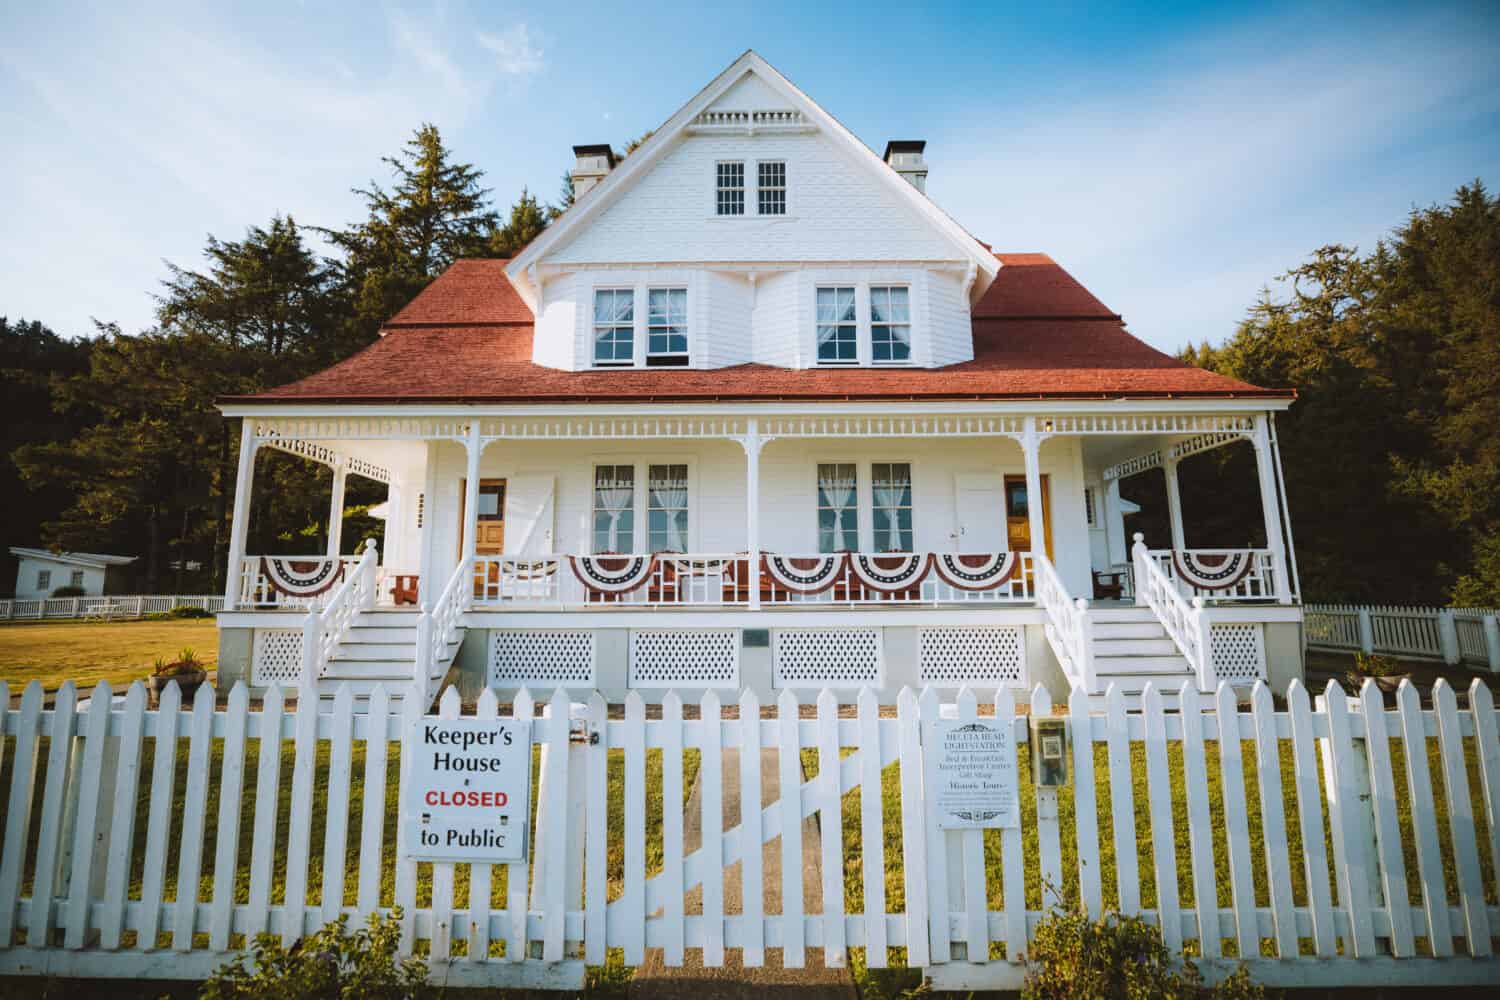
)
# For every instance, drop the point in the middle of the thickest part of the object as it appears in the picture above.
(1273, 820)
(1349, 848)
(481, 877)
(1387, 826)
(1236, 816)
(710, 783)
(831, 830)
(1424, 824)
(1310, 818)
(372, 808)
(76, 914)
(1048, 831)
(443, 871)
(518, 875)
(294, 907)
(190, 847)
(1122, 803)
(159, 819)
(49, 835)
(263, 839)
(231, 800)
(1487, 750)
(1200, 824)
(913, 830)
(555, 788)
(596, 844)
(1163, 831)
(872, 838)
(633, 899)
(752, 872)
(336, 827)
(970, 883)
(1012, 858)
(939, 912)
(18, 807)
(406, 868)
(1461, 820)
(1085, 801)
(122, 822)
(789, 763)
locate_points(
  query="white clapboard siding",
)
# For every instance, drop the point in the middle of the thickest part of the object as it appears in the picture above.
(65, 906)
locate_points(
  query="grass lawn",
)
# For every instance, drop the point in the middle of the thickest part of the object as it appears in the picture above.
(90, 652)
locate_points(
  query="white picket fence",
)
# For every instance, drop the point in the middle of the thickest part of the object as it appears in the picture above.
(1452, 635)
(1302, 910)
(108, 606)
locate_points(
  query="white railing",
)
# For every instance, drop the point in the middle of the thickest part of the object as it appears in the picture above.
(106, 606)
(1069, 630)
(1186, 622)
(438, 628)
(258, 592)
(324, 630)
(1258, 584)
(1452, 635)
(1314, 887)
(725, 580)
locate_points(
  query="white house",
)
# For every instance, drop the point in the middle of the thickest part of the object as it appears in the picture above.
(756, 411)
(40, 572)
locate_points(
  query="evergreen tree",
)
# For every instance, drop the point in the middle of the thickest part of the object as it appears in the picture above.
(527, 220)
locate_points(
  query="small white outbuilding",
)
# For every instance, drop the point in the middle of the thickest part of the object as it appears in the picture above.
(39, 572)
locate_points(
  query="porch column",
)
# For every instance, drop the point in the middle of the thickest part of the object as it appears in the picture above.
(1270, 505)
(239, 524)
(336, 511)
(471, 492)
(1174, 503)
(1114, 525)
(1031, 447)
(752, 444)
(425, 583)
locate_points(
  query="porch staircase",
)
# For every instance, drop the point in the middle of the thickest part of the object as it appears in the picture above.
(1132, 648)
(380, 648)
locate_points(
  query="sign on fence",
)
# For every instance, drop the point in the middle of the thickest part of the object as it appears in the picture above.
(470, 794)
(973, 775)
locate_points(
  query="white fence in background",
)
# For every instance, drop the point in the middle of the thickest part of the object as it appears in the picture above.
(1452, 635)
(1298, 912)
(108, 606)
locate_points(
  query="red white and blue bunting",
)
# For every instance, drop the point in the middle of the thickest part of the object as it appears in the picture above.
(975, 571)
(804, 574)
(301, 577)
(891, 572)
(1213, 571)
(605, 574)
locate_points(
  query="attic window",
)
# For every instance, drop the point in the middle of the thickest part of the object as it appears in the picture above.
(838, 330)
(731, 188)
(771, 189)
(666, 326)
(614, 326)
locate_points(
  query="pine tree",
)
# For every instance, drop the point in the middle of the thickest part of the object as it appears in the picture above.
(527, 220)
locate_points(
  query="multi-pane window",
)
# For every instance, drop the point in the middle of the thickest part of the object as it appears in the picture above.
(667, 507)
(838, 330)
(614, 508)
(614, 326)
(890, 324)
(771, 188)
(838, 507)
(731, 188)
(666, 326)
(75, 579)
(43, 579)
(890, 506)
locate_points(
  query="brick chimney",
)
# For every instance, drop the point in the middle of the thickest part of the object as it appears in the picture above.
(905, 157)
(593, 164)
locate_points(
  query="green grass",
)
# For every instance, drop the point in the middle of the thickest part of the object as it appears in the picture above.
(89, 652)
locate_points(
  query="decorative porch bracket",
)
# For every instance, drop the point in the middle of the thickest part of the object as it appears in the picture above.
(1176, 451)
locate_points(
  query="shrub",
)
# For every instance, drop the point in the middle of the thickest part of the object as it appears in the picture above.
(1073, 955)
(1376, 665)
(189, 611)
(330, 963)
(68, 592)
(187, 662)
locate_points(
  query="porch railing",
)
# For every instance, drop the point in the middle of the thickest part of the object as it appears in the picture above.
(328, 627)
(1183, 618)
(1247, 574)
(260, 590)
(1069, 630)
(728, 580)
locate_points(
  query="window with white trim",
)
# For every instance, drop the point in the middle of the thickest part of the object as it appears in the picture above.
(891, 506)
(890, 325)
(75, 579)
(667, 507)
(666, 327)
(838, 507)
(43, 579)
(614, 327)
(614, 508)
(838, 326)
(731, 188)
(771, 187)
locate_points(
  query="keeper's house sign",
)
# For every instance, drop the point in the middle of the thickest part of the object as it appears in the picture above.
(470, 791)
(971, 775)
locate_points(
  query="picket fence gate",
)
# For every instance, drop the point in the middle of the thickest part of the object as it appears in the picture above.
(70, 902)
(1453, 635)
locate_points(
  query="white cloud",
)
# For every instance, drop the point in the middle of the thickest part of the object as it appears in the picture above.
(515, 55)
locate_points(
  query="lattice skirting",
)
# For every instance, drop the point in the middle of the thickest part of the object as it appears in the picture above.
(954, 656)
(841, 657)
(542, 658)
(1238, 651)
(276, 657)
(664, 658)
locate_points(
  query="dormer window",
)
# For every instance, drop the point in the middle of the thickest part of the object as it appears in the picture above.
(838, 328)
(771, 187)
(731, 188)
(890, 325)
(666, 327)
(614, 327)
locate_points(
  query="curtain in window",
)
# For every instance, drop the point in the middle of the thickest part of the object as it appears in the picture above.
(613, 496)
(669, 495)
(891, 492)
(837, 484)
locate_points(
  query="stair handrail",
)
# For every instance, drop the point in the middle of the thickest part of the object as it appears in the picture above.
(438, 627)
(1185, 622)
(1068, 630)
(324, 630)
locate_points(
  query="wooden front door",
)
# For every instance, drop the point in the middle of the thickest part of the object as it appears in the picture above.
(1018, 514)
(490, 536)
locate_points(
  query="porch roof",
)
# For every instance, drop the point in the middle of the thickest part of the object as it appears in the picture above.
(1038, 334)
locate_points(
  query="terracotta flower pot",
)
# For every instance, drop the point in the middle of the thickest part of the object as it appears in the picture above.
(187, 684)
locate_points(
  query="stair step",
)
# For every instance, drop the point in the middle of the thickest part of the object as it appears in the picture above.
(1121, 614)
(389, 617)
(1135, 666)
(1129, 630)
(1160, 645)
(376, 651)
(382, 633)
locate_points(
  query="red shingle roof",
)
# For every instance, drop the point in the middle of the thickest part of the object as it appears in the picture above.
(1037, 334)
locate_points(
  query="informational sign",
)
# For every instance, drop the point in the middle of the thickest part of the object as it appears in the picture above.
(971, 775)
(469, 793)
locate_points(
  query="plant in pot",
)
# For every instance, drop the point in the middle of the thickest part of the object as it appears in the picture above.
(186, 670)
(1388, 673)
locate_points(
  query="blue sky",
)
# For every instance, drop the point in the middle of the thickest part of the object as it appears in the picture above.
(1174, 157)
